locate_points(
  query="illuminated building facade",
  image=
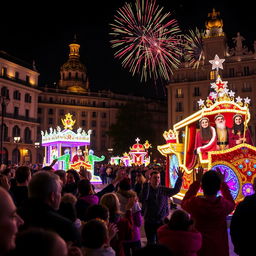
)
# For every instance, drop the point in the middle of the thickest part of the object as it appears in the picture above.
(189, 85)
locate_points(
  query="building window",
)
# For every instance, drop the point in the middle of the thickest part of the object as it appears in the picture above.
(179, 93)
(212, 75)
(94, 123)
(231, 72)
(83, 114)
(16, 131)
(27, 113)
(179, 107)
(94, 114)
(104, 115)
(5, 92)
(197, 91)
(50, 111)
(27, 98)
(246, 71)
(16, 111)
(61, 112)
(27, 79)
(50, 120)
(83, 123)
(246, 87)
(4, 71)
(16, 95)
(17, 74)
(27, 135)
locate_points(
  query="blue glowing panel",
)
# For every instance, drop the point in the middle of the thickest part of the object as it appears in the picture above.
(173, 166)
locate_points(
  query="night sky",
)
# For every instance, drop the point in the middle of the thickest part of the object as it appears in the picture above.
(44, 32)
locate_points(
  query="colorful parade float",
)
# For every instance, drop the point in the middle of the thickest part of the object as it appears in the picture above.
(237, 162)
(69, 148)
(138, 155)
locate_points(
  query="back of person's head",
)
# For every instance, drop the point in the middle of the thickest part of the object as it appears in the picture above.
(111, 201)
(97, 211)
(84, 187)
(75, 174)
(40, 242)
(94, 234)
(180, 220)
(68, 211)
(125, 184)
(153, 249)
(47, 168)
(22, 174)
(211, 183)
(60, 173)
(42, 184)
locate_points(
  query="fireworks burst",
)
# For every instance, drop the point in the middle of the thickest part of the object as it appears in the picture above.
(145, 40)
(194, 53)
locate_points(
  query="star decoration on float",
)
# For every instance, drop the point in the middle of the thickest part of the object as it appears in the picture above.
(219, 85)
(247, 100)
(217, 63)
(200, 102)
(231, 94)
(238, 99)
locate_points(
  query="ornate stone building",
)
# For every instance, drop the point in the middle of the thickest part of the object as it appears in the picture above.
(19, 104)
(92, 110)
(188, 85)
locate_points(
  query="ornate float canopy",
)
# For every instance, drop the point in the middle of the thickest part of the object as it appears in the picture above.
(66, 137)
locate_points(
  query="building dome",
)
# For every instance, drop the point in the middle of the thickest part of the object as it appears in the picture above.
(73, 73)
(214, 20)
(214, 25)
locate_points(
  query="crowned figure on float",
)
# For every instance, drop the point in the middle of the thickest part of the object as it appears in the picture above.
(216, 136)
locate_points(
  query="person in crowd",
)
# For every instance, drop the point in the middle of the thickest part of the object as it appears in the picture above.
(95, 239)
(68, 209)
(10, 222)
(102, 173)
(242, 223)
(40, 242)
(87, 195)
(179, 235)
(63, 176)
(210, 211)
(124, 194)
(222, 132)
(19, 192)
(122, 220)
(206, 138)
(84, 173)
(239, 134)
(154, 198)
(72, 181)
(40, 210)
(139, 181)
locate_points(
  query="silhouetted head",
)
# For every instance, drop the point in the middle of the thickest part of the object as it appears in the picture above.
(180, 220)
(211, 183)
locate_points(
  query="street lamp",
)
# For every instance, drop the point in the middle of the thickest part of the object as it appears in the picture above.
(37, 146)
(17, 140)
(4, 100)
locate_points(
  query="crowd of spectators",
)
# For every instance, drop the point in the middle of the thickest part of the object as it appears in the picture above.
(55, 212)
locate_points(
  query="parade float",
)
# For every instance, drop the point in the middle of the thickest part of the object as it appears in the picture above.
(237, 162)
(138, 155)
(69, 148)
